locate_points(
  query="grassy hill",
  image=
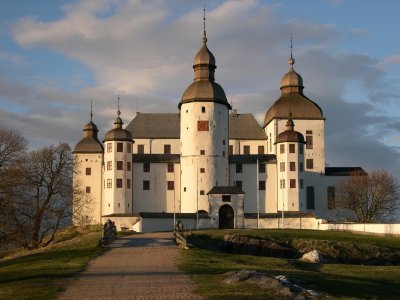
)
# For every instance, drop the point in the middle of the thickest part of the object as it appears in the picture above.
(42, 273)
(337, 279)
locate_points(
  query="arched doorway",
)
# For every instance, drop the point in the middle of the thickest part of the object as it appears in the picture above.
(226, 217)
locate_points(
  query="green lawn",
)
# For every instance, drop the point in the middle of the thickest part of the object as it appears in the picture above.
(42, 274)
(349, 281)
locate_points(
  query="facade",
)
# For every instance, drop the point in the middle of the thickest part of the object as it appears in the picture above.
(207, 166)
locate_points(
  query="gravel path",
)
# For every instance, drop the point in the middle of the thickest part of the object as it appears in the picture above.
(141, 266)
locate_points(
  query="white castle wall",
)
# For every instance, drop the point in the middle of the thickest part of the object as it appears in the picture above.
(156, 146)
(214, 142)
(238, 146)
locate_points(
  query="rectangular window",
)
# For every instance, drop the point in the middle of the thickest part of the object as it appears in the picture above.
(226, 198)
(119, 183)
(129, 147)
(223, 142)
(170, 168)
(292, 183)
(260, 149)
(239, 184)
(88, 190)
(128, 166)
(331, 196)
(282, 166)
(202, 126)
(309, 140)
(109, 183)
(261, 168)
(282, 148)
(146, 167)
(167, 149)
(201, 192)
(292, 166)
(109, 165)
(203, 109)
(170, 185)
(109, 147)
(292, 148)
(120, 165)
(301, 167)
(282, 183)
(261, 185)
(230, 149)
(270, 143)
(88, 171)
(239, 168)
(202, 170)
(310, 198)
(223, 153)
(301, 184)
(310, 163)
(246, 149)
(140, 149)
(202, 152)
(120, 147)
(146, 185)
(128, 183)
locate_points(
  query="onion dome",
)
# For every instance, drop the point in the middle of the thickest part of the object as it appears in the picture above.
(90, 142)
(118, 133)
(293, 100)
(290, 135)
(204, 88)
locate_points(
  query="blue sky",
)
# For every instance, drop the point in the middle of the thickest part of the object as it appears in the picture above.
(55, 56)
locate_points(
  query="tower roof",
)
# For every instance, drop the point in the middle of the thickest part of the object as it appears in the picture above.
(293, 100)
(204, 88)
(290, 135)
(118, 133)
(89, 143)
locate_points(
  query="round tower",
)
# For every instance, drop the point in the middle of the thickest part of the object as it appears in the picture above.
(88, 160)
(204, 112)
(290, 164)
(117, 183)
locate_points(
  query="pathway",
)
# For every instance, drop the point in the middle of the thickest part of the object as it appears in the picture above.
(141, 266)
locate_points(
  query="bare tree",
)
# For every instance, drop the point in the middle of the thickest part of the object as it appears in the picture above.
(40, 203)
(371, 198)
(12, 148)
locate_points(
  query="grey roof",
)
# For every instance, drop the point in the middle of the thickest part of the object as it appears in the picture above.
(167, 125)
(204, 91)
(118, 134)
(156, 158)
(245, 127)
(252, 158)
(219, 190)
(88, 145)
(344, 171)
(161, 125)
(290, 136)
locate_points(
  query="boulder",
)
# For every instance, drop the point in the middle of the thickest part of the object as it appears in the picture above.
(314, 256)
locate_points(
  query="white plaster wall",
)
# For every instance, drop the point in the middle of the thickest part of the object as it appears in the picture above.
(236, 203)
(117, 200)
(215, 161)
(158, 198)
(167, 224)
(271, 189)
(317, 126)
(94, 181)
(156, 146)
(129, 222)
(249, 186)
(238, 146)
(292, 223)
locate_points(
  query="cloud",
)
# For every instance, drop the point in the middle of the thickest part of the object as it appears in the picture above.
(145, 50)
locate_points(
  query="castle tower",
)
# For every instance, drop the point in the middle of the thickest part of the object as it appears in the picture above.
(117, 184)
(204, 112)
(88, 160)
(307, 114)
(290, 160)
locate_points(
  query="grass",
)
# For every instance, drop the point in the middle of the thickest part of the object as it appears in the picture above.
(345, 281)
(43, 273)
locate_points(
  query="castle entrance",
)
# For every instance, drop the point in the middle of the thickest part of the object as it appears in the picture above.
(226, 217)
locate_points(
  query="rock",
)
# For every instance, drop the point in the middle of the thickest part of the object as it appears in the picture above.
(241, 275)
(252, 246)
(314, 256)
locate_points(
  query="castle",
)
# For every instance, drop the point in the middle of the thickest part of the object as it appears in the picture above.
(208, 167)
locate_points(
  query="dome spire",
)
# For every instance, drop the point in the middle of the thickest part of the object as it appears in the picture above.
(118, 121)
(91, 110)
(291, 59)
(292, 81)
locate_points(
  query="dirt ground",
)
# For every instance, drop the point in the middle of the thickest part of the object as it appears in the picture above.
(141, 266)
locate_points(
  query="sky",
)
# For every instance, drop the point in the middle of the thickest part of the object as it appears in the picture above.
(58, 56)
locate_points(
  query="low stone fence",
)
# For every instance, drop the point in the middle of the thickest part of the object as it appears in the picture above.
(109, 233)
(381, 229)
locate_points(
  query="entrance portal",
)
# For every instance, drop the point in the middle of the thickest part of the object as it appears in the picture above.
(226, 217)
